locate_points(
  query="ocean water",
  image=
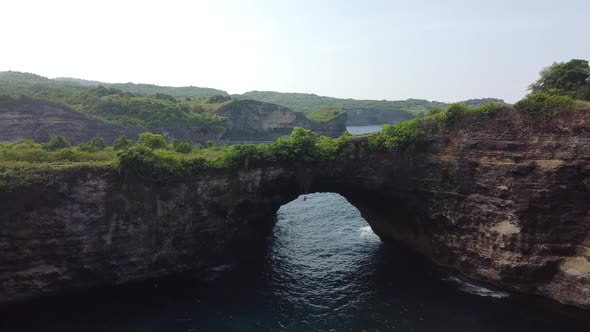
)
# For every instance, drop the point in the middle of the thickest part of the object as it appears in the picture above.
(323, 270)
(358, 130)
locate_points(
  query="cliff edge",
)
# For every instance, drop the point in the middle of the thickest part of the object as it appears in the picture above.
(498, 198)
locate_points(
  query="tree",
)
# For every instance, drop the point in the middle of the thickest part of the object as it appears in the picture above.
(218, 99)
(122, 142)
(152, 141)
(94, 145)
(570, 78)
(56, 143)
(182, 147)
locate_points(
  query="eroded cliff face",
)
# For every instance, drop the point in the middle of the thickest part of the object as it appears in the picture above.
(40, 121)
(250, 120)
(505, 202)
(97, 227)
(501, 201)
(375, 116)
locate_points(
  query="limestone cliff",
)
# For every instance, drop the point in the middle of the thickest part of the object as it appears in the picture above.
(40, 121)
(247, 121)
(376, 116)
(503, 200)
(250, 120)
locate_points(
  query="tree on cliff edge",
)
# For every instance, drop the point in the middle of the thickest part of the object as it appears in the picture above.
(570, 78)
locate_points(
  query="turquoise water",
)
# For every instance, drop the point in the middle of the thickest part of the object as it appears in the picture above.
(323, 270)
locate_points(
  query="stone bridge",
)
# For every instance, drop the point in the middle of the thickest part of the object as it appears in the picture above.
(498, 201)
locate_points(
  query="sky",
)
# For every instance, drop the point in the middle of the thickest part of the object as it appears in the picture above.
(444, 50)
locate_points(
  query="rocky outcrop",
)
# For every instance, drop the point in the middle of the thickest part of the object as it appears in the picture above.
(40, 121)
(376, 116)
(250, 120)
(503, 200)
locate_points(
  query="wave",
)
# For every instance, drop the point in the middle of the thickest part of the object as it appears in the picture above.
(472, 288)
(367, 232)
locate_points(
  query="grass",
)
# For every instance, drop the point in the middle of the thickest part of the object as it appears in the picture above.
(325, 113)
(582, 105)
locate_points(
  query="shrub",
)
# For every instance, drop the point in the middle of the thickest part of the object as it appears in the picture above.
(182, 147)
(301, 145)
(399, 135)
(94, 145)
(454, 113)
(242, 154)
(122, 142)
(542, 105)
(67, 154)
(149, 160)
(303, 142)
(489, 108)
(7, 99)
(164, 96)
(142, 160)
(329, 148)
(194, 165)
(26, 143)
(14, 176)
(218, 99)
(152, 141)
(24, 151)
(434, 111)
(56, 143)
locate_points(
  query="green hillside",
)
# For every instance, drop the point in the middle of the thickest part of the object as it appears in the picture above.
(111, 104)
(305, 102)
(149, 89)
(311, 103)
(152, 106)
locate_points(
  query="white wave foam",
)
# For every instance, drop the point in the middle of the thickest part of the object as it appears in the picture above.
(474, 289)
(367, 232)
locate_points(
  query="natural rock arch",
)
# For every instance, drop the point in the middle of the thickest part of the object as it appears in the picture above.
(492, 201)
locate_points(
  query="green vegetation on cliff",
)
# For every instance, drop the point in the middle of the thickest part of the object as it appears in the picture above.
(153, 107)
(540, 105)
(301, 145)
(307, 103)
(570, 78)
(155, 111)
(326, 113)
(152, 156)
(560, 88)
(310, 103)
(149, 89)
(414, 133)
(54, 152)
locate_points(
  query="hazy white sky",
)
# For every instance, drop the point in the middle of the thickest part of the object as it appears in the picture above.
(372, 49)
